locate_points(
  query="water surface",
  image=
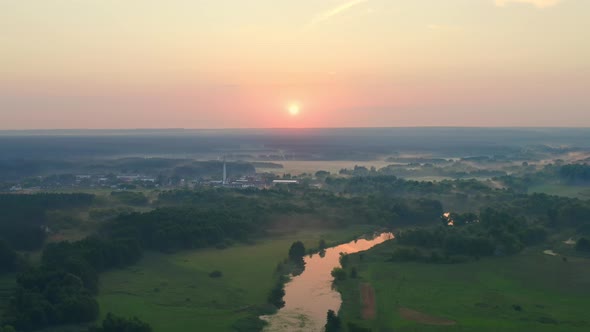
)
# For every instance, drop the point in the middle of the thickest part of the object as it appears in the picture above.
(309, 296)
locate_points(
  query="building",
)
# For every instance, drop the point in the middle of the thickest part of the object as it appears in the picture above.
(275, 182)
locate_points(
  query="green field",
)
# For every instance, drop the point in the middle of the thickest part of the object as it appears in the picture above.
(553, 295)
(175, 293)
(562, 190)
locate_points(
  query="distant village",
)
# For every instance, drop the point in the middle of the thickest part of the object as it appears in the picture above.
(142, 181)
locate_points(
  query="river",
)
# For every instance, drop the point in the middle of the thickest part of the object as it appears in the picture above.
(309, 296)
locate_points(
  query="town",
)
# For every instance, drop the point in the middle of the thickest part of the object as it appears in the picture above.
(121, 182)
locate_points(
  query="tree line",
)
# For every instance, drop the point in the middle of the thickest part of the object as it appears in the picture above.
(23, 217)
(493, 232)
(504, 228)
(575, 173)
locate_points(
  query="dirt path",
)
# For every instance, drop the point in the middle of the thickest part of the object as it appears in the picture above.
(423, 318)
(368, 301)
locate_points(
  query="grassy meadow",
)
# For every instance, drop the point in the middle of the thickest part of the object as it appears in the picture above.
(175, 293)
(531, 291)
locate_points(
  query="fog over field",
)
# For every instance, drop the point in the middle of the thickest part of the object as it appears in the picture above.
(298, 144)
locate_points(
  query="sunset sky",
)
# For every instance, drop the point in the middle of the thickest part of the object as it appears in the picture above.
(252, 63)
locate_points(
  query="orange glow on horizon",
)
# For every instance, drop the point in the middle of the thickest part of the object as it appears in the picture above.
(296, 64)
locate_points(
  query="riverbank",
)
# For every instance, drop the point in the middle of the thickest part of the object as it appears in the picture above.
(174, 293)
(310, 295)
(530, 291)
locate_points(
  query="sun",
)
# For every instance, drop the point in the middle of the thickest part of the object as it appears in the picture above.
(294, 109)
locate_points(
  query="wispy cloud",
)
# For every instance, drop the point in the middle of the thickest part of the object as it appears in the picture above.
(536, 3)
(325, 16)
(443, 27)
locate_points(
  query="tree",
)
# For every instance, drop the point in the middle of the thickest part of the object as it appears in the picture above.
(583, 244)
(216, 274)
(339, 274)
(333, 323)
(297, 251)
(45, 297)
(276, 295)
(322, 174)
(113, 323)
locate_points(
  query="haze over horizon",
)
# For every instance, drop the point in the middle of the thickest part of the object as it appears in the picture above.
(107, 64)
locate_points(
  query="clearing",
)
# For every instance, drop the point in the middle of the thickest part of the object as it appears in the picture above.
(368, 300)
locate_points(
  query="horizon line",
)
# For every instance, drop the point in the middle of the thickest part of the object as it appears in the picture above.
(293, 128)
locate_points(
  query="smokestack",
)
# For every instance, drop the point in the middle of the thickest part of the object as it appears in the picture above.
(224, 172)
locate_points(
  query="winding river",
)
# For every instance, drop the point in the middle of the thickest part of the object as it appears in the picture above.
(309, 296)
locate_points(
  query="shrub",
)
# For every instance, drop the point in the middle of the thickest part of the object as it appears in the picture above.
(339, 274)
